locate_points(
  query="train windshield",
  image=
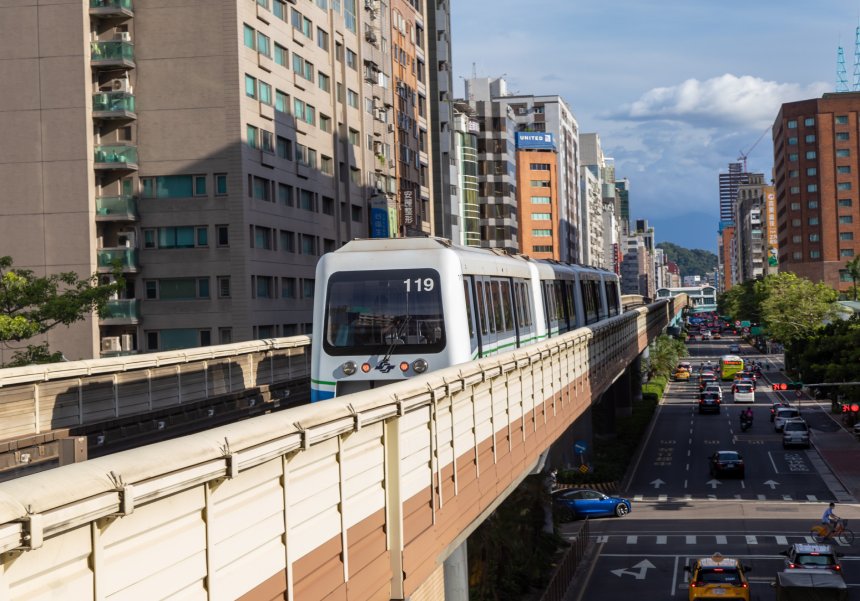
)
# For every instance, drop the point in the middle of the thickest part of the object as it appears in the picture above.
(383, 312)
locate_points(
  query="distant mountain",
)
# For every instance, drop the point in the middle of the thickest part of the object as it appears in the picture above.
(690, 262)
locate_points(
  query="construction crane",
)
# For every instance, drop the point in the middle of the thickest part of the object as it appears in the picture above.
(744, 155)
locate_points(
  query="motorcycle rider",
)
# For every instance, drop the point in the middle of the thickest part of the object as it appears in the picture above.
(746, 417)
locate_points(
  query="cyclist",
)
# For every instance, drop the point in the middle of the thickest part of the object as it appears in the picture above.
(830, 520)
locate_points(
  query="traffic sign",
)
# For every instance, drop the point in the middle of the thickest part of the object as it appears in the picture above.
(798, 394)
(738, 324)
(580, 446)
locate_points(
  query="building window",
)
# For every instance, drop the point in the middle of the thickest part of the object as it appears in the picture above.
(263, 45)
(322, 39)
(353, 136)
(843, 169)
(223, 286)
(173, 186)
(815, 254)
(326, 165)
(841, 119)
(810, 171)
(307, 244)
(795, 222)
(814, 238)
(811, 154)
(792, 141)
(540, 183)
(287, 241)
(285, 194)
(540, 200)
(356, 213)
(812, 187)
(260, 189)
(261, 237)
(846, 235)
(844, 202)
(541, 216)
(794, 190)
(282, 56)
(284, 148)
(250, 37)
(325, 123)
(542, 248)
(812, 204)
(225, 335)
(303, 67)
(541, 233)
(797, 256)
(250, 86)
(324, 81)
(220, 184)
(844, 219)
(809, 139)
(842, 136)
(222, 233)
(812, 221)
(539, 166)
(792, 157)
(262, 286)
(792, 124)
(327, 205)
(307, 200)
(809, 121)
(351, 59)
(796, 239)
(352, 98)
(795, 206)
(252, 136)
(177, 289)
(843, 153)
(843, 185)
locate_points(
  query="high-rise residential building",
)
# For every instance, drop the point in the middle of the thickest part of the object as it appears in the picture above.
(729, 183)
(622, 189)
(817, 179)
(725, 256)
(212, 168)
(593, 199)
(749, 229)
(545, 114)
(537, 201)
(463, 197)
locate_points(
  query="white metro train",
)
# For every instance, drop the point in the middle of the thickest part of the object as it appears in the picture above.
(388, 309)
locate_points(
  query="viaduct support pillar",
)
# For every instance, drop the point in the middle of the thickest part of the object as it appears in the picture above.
(457, 575)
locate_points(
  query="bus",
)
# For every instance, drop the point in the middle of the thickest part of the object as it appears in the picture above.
(729, 366)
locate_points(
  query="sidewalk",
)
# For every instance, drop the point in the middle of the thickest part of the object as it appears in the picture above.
(841, 452)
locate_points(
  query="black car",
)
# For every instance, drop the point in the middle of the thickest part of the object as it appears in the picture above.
(709, 402)
(727, 463)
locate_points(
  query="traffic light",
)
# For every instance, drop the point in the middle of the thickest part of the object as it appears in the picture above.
(787, 386)
(795, 385)
(780, 386)
(851, 408)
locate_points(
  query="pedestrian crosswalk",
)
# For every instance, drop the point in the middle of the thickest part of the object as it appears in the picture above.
(672, 541)
(730, 497)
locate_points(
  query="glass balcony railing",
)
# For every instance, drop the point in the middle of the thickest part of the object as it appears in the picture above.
(121, 156)
(114, 103)
(125, 258)
(115, 4)
(112, 52)
(121, 310)
(116, 208)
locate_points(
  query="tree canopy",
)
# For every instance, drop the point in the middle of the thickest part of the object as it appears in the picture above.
(690, 262)
(31, 305)
(831, 355)
(789, 307)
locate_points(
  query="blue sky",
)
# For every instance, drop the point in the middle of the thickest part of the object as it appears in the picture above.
(676, 89)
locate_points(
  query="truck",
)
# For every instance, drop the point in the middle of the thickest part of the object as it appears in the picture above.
(810, 585)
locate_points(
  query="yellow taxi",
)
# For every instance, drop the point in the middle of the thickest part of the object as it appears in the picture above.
(681, 374)
(718, 577)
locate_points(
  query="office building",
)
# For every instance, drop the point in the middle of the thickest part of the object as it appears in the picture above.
(212, 155)
(729, 183)
(537, 201)
(817, 179)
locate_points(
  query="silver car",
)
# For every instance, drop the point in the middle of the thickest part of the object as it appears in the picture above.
(782, 415)
(795, 433)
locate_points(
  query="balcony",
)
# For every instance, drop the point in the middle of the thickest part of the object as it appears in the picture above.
(115, 54)
(116, 208)
(111, 9)
(125, 311)
(115, 157)
(123, 257)
(114, 105)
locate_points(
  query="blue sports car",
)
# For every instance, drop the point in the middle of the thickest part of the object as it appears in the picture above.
(579, 503)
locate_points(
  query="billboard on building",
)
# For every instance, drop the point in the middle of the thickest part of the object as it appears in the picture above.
(380, 218)
(535, 140)
(772, 245)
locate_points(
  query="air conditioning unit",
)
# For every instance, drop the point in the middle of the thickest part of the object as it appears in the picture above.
(121, 85)
(370, 4)
(379, 115)
(380, 186)
(111, 344)
(370, 35)
(127, 342)
(377, 148)
(123, 36)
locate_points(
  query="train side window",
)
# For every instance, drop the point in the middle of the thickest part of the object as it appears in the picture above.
(559, 301)
(482, 316)
(496, 301)
(488, 301)
(524, 305)
(468, 299)
(505, 292)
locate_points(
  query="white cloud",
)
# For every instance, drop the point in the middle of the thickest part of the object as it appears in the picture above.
(744, 101)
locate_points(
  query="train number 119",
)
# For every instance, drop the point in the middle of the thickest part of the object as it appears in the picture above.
(421, 284)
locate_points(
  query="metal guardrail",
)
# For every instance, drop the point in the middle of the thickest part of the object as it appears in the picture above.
(566, 568)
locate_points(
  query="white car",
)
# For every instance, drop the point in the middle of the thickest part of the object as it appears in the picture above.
(782, 415)
(715, 388)
(744, 392)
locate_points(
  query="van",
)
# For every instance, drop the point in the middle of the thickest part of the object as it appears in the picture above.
(795, 432)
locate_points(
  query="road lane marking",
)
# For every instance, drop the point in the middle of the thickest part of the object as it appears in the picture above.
(638, 498)
(722, 539)
(782, 541)
(812, 498)
(674, 576)
(772, 462)
(691, 539)
(751, 539)
(602, 539)
(761, 497)
(662, 498)
(661, 539)
(631, 540)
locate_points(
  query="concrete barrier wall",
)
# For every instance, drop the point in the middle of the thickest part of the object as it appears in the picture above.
(41, 398)
(360, 497)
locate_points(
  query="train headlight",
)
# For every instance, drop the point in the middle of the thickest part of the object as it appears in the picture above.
(348, 368)
(404, 366)
(419, 365)
(365, 367)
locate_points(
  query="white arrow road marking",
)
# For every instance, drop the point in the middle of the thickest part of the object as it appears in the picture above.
(643, 566)
(772, 484)
(657, 483)
(713, 482)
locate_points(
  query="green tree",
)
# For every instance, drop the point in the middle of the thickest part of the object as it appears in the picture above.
(32, 305)
(794, 308)
(742, 301)
(853, 267)
(663, 356)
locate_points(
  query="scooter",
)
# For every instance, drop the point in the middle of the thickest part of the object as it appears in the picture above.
(746, 423)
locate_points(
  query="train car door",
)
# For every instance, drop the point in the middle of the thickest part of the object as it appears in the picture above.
(484, 306)
(471, 317)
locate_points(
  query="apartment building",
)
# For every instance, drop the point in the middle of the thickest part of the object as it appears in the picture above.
(729, 182)
(816, 147)
(595, 193)
(209, 151)
(537, 201)
(749, 229)
(463, 200)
